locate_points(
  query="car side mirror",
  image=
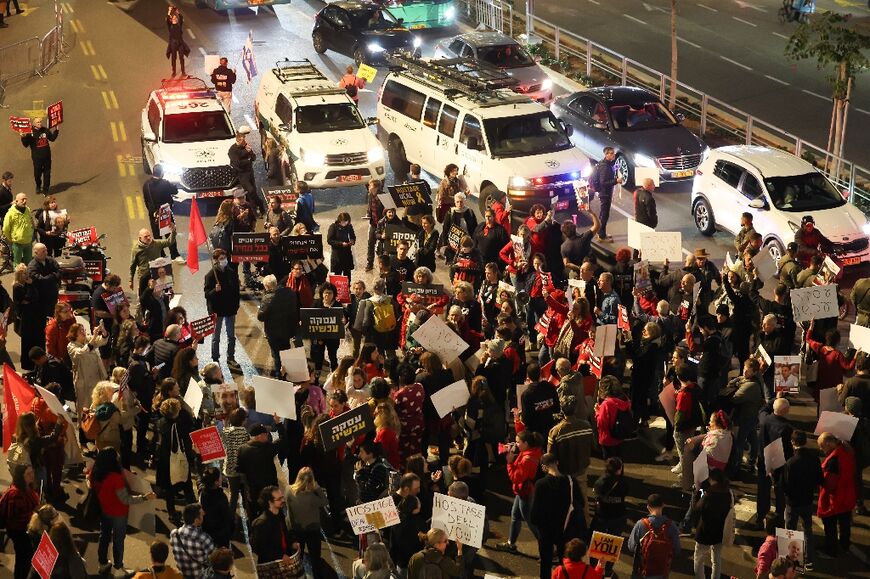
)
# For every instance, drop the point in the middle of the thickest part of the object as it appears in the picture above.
(680, 117)
(473, 144)
(372, 121)
(758, 203)
(600, 126)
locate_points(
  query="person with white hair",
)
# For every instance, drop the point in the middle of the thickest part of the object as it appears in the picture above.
(39, 140)
(279, 313)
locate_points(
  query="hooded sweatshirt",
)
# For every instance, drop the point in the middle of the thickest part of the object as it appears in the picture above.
(522, 471)
(606, 417)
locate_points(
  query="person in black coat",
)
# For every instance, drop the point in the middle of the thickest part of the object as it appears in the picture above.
(772, 424)
(174, 428)
(242, 159)
(462, 217)
(427, 243)
(6, 195)
(29, 318)
(223, 299)
(218, 520)
(176, 49)
(38, 140)
(140, 379)
(358, 294)
(49, 369)
(45, 273)
(277, 264)
(271, 540)
(341, 238)
(801, 478)
(490, 237)
(156, 192)
(254, 463)
(154, 306)
(279, 313)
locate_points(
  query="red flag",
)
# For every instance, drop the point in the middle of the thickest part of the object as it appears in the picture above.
(196, 237)
(17, 397)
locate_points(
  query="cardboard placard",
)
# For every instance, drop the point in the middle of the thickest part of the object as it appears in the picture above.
(387, 201)
(791, 544)
(295, 364)
(208, 442)
(454, 396)
(203, 327)
(700, 469)
(859, 337)
(20, 125)
(462, 520)
(193, 397)
(622, 318)
(829, 400)
(114, 300)
(662, 245)
(840, 425)
(774, 456)
(668, 398)
(287, 195)
(342, 288)
(410, 194)
(786, 373)
(605, 340)
(396, 233)
(250, 247)
(635, 230)
(346, 427)
(218, 389)
(53, 404)
(605, 547)
(641, 275)
(142, 516)
(374, 515)
(55, 114)
(303, 246)
(322, 323)
(814, 303)
(454, 236)
(276, 395)
(437, 337)
(45, 557)
(367, 72)
(764, 265)
(161, 272)
(517, 243)
(164, 219)
(760, 353)
(83, 236)
(425, 295)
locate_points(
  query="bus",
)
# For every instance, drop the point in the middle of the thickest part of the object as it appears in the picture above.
(419, 14)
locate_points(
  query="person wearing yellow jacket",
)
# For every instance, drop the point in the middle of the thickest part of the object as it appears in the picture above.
(18, 230)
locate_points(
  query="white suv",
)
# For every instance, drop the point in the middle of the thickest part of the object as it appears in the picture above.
(326, 139)
(778, 189)
(186, 131)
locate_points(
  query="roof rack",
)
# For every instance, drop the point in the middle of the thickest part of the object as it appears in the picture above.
(303, 70)
(458, 76)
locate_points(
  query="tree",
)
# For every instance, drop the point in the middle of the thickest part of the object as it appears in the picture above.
(834, 45)
(672, 99)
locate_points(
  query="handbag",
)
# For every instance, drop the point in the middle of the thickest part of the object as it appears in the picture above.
(179, 468)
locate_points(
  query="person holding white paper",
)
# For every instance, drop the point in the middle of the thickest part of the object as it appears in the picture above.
(773, 425)
(833, 364)
(174, 429)
(801, 477)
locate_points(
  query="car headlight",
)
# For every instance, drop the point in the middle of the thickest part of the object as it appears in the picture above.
(172, 172)
(417, 42)
(519, 181)
(312, 157)
(793, 226)
(450, 13)
(376, 154)
(644, 161)
(587, 170)
(547, 84)
(375, 47)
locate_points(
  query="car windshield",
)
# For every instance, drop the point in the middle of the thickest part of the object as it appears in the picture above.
(322, 118)
(810, 192)
(505, 56)
(640, 115)
(369, 18)
(527, 135)
(195, 127)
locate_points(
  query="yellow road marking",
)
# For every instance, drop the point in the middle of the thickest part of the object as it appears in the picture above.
(77, 26)
(114, 99)
(131, 212)
(114, 131)
(122, 166)
(122, 131)
(27, 9)
(67, 7)
(74, 25)
(99, 72)
(102, 72)
(106, 100)
(109, 99)
(95, 72)
(140, 205)
(87, 48)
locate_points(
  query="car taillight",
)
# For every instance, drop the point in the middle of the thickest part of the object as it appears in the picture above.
(698, 172)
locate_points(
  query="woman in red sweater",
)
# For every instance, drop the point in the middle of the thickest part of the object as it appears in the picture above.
(387, 428)
(107, 479)
(522, 467)
(17, 505)
(832, 362)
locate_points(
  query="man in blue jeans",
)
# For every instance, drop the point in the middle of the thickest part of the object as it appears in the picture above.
(222, 298)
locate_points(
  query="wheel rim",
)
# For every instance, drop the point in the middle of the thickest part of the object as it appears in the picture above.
(621, 166)
(702, 216)
(318, 43)
(775, 252)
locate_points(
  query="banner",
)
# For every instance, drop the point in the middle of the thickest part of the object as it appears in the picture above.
(287, 195)
(203, 327)
(374, 515)
(410, 194)
(208, 442)
(396, 233)
(346, 427)
(20, 125)
(303, 246)
(426, 294)
(84, 236)
(463, 520)
(17, 397)
(45, 557)
(322, 323)
(55, 114)
(605, 547)
(814, 303)
(342, 288)
(164, 219)
(249, 61)
(250, 247)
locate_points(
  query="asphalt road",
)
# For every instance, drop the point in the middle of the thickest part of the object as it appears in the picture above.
(733, 50)
(118, 58)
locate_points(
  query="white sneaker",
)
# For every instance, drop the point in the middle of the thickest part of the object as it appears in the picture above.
(665, 456)
(677, 470)
(179, 260)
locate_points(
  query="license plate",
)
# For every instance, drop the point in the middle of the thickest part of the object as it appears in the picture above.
(209, 194)
(256, 2)
(560, 205)
(345, 178)
(682, 174)
(417, 26)
(851, 260)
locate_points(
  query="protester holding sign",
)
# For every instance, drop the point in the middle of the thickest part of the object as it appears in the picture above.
(341, 238)
(832, 362)
(222, 296)
(157, 192)
(39, 141)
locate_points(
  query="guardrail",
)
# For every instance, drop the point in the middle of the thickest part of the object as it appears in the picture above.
(493, 14)
(34, 56)
(717, 122)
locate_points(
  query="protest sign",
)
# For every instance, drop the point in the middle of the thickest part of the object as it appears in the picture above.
(276, 395)
(208, 442)
(791, 544)
(576, 289)
(250, 247)
(218, 389)
(342, 288)
(346, 427)
(20, 125)
(518, 245)
(760, 353)
(463, 520)
(641, 275)
(396, 233)
(450, 397)
(374, 515)
(436, 336)
(605, 340)
(504, 286)
(829, 270)
(829, 400)
(814, 303)
(55, 114)
(210, 62)
(635, 230)
(426, 294)
(454, 236)
(45, 557)
(840, 425)
(141, 516)
(410, 194)
(786, 373)
(764, 265)
(387, 201)
(700, 469)
(85, 322)
(193, 397)
(114, 300)
(729, 263)
(54, 404)
(295, 364)
(859, 337)
(83, 236)
(302, 246)
(367, 72)
(622, 318)
(322, 323)
(605, 547)
(202, 327)
(668, 398)
(164, 219)
(774, 456)
(286, 195)
(662, 245)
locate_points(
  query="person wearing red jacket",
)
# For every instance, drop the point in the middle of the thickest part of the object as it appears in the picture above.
(573, 567)
(501, 206)
(17, 505)
(605, 415)
(837, 495)
(413, 302)
(809, 240)
(832, 362)
(537, 222)
(518, 261)
(522, 467)
(552, 321)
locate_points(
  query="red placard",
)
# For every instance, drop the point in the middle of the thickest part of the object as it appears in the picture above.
(203, 327)
(342, 288)
(208, 442)
(622, 319)
(164, 219)
(55, 114)
(45, 557)
(82, 236)
(20, 125)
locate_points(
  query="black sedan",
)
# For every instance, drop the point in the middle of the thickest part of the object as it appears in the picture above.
(638, 125)
(363, 31)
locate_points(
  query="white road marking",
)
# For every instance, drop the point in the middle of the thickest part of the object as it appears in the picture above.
(745, 22)
(707, 7)
(192, 35)
(689, 42)
(780, 35)
(862, 111)
(202, 51)
(774, 79)
(630, 17)
(734, 62)
(815, 94)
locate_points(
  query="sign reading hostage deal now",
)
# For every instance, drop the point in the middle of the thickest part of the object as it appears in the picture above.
(322, 323)
(286, 195)
(303, 246)
(410, 194)
(427, 294)
(395, 234)
(208, 442)
(346, 427)
(250, 247)
(203, 327)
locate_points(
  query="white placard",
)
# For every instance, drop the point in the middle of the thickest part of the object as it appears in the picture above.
(374, 515)
(791, 544)
(193, 397)
(662, 245)
(276, 396)
(463, 520)
(53, 404)
(175, 301)
(830, 265)
(437, 337)
(641, 173)
(474, 360)
(774, 456)
(635, 230)
(729, 263)
(840, 425)
(295, 364)
(814, 303)
(521, 389)
(605, 340)
(506, 287)
(700, 470)
(142, 516)
(764, 265)
(829, 400)
(85, 323)
(762, 353)
(450, 397)
(859, 337)
(387, 200)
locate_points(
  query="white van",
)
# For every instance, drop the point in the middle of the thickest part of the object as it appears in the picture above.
(323, 133)
(438, 112)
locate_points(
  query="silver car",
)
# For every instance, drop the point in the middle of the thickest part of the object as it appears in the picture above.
(505, 53)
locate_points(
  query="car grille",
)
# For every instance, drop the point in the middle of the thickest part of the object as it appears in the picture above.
(346, 159)
(852, 246)
(680, 162)
(528, 89)
(204, 178)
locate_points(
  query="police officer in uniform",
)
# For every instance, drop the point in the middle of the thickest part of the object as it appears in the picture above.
(223, 79)
(39, 140)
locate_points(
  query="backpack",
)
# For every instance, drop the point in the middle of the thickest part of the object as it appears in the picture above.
(655, 553)
(219, 236)
(384, 315)
(351, 90)
(91, 426)
(624, 426)
(494, 427)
